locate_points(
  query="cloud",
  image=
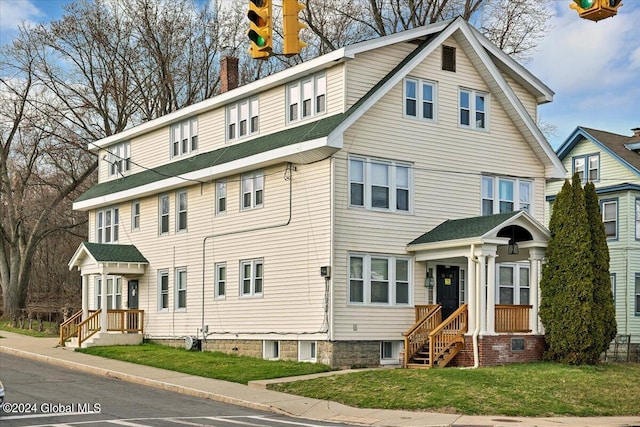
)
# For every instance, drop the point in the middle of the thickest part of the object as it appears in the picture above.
(15, 12)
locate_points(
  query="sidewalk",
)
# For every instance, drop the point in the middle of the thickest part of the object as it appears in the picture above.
(258, 397)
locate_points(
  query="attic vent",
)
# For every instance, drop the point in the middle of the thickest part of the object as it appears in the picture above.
(449, 58)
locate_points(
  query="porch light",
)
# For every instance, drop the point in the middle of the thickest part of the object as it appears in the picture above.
(513, 246)
(429, 281)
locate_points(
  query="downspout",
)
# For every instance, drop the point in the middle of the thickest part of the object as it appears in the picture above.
(289, 175)
(476, 332)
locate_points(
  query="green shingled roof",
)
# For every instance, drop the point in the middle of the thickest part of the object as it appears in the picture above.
(104, 252)
(463, 228)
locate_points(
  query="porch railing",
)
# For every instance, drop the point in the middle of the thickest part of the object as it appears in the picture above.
(512, 318)
(130, 320)
(418, 335)
(448, 334)
(88, 327)
(69, 328)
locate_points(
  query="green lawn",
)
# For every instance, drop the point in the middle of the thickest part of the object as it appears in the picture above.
(534, 389)
(239, 369)
(49, 330)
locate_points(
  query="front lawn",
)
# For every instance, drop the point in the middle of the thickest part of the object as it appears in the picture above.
(221, 366)
(534, 389)
(49, 329)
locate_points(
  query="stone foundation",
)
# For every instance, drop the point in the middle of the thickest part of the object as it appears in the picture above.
(497, 350)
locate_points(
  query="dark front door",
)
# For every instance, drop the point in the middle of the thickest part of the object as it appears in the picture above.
(448, 289)
(133, 294)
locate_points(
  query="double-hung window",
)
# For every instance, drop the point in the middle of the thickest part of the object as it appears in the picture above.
(251, 277)
(184, 137)
(114, 292)
(163, 290)
(181, 289)
(243, 118)
(587, 167)
(220, 280)
(609, 210)
(419, 99)
(500, 194)
(473, 109)
(221, 196)
(307, 98)
(637, 219)
(181, 210)
(637, 295)
(107, 225)
(252, 188)
(380, 184)
(379, 280)
(135, 215)
(513, 284)
(163, 214)
(119, 159)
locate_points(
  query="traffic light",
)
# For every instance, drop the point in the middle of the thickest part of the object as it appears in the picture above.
(595, 10)
(291, 27)
(260, 28)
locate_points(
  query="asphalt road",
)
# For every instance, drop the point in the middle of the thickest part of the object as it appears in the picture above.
(39, 394)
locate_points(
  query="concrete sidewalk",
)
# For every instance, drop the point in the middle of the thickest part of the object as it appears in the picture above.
(258, 397)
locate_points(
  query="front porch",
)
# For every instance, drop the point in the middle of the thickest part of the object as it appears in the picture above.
(124, 327)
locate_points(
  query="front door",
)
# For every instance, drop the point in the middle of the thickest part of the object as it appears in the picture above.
(448, 289)
(133, 294)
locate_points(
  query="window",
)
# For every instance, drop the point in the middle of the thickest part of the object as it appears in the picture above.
(163, 290)
(513, 284)
(419, 99)
(181, 207)
(181, 289)
(107, 225)
(163, 210)
(271, 350)
(377, 279)
(135, 215)
(637, 219)
(243, 118)
(473, 109)
(307, 98)
(119, 159)
(390, 352)
(380, 184)
(252, 190)
(251, 276)
(512, 194)
(612, 277)
(610, 218)
(637, 295)
(221, 280)
(448, 58)
(463, 286)
(221, 196)
(114, 292)
(307, 351)
(184, 137)
(587, 167)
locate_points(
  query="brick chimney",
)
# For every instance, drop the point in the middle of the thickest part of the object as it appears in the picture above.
(636, 132)
(228, 73)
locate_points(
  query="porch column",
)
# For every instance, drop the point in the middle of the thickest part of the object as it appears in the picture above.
(483, 293)
(491, 295)
(471, 292)
(103, 304)
(85, 296)
(535, 260)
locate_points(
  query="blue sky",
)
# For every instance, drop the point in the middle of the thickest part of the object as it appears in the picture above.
(594, 68)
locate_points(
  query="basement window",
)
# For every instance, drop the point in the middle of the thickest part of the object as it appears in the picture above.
(517, 344)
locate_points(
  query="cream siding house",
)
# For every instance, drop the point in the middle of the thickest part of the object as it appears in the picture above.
(301, 216)
(612, 163)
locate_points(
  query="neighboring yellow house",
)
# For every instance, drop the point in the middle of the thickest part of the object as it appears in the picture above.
(322, 212)
(612, 163)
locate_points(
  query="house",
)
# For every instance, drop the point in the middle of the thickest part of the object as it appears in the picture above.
(389, 195)
(612, 163)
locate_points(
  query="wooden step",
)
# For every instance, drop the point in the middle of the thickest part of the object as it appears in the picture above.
(417, 366)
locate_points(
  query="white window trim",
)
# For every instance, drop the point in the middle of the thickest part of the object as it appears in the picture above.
(496, 193)
(316, 93)
(586, 165)
(472, 109)
(134, 215)
(617, 218)
(253, 110)
(419, 101)
(161, 274)
(179, 212)
(256, 180)
(393, 186)
(119, 160)
(186, 130)
(101, 230)
(116, 292)
(396, 347)
(516, 267)
(308, 351)
(180, 287)
(366, 279)
(252, 280)
(267, 349)
(160, 214)
(221, 184)
(637, 219)
(217, 280)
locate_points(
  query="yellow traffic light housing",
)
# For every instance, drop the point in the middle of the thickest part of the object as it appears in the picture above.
(595, 10)
(260, 28)
(292, 26)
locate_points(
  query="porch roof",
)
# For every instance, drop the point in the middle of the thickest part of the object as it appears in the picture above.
(108, 258)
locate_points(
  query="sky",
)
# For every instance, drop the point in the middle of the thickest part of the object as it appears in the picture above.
(593, 68)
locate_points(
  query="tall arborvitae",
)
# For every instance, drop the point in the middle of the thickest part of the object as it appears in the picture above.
(604, 313)
(567, 305)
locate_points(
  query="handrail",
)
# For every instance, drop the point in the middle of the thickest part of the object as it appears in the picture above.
(69, 327)
(447, 333)
(423, 311)
(88, 327)
(418, 335)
